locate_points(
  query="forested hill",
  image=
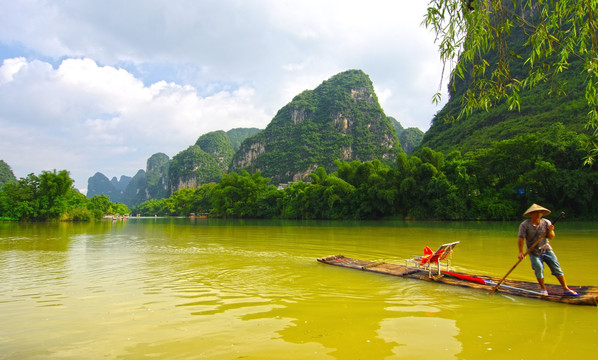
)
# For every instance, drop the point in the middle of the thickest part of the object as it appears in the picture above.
(341, 119)
(541, 107)
(6, 174)
(205, 161)
(409, 138)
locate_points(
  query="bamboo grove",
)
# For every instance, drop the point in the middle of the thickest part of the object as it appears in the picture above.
(494, 183)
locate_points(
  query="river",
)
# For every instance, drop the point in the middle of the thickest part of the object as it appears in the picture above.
(189, 288)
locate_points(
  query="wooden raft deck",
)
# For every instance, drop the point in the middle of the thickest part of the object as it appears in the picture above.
(588, 295)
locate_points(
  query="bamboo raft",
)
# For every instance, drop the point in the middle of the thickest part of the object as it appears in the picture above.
(588, 295)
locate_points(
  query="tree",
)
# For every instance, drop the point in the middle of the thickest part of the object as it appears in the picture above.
(99, 203)
(51, 196)
(202, 201)
(17, 199)
(236, 195)
(52, 192)
(556, 34)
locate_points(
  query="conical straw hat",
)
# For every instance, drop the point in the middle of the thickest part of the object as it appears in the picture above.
(536, 207)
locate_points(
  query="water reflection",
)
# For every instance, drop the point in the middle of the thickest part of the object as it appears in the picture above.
(407, 334)
(219, 289)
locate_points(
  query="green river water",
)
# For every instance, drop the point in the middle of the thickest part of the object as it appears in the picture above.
(180, 288)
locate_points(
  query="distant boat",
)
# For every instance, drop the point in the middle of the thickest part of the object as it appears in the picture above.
(199, 215)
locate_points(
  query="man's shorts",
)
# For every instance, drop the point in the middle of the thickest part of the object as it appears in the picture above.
(550, 259)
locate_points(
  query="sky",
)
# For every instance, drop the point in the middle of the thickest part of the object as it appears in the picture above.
(100, 86)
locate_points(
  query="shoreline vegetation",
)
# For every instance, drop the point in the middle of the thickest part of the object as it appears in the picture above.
(52, 197)
(495, 183)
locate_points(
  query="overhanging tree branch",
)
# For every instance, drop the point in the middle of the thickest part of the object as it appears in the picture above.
(555, 31)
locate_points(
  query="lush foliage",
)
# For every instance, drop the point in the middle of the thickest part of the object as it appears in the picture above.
(51, 196)
(238, 195)
(181, 202)
(477, 37)
(497, 183)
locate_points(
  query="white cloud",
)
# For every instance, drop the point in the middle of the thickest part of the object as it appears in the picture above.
(100, 86)
(86, 117)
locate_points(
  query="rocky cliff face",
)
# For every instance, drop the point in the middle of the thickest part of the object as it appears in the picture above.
(250, 150)
(193, 167)
(339, 120)
(206, 161)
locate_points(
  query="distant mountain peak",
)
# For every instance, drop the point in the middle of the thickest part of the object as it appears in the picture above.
(340, 119)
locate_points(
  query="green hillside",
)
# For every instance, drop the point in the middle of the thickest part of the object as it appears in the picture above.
(193, 167)
(218, 144)
(561, 100)
(409, 138)
(339, 120)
